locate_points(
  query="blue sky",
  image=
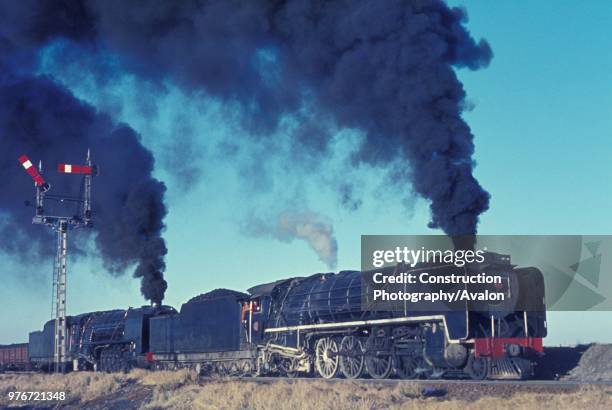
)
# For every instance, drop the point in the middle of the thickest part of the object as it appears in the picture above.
(542, 119)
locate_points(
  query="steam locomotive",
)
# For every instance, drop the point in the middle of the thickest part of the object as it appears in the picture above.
(317, 325)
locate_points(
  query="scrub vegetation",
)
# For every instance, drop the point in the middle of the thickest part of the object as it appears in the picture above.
(182, 389)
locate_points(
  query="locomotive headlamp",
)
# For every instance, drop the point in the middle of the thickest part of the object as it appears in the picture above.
(513, 349)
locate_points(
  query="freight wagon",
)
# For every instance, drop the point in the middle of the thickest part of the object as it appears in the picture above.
(14, 357)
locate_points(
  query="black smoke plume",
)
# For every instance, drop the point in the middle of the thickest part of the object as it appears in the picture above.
(41, 119)
(385, 67)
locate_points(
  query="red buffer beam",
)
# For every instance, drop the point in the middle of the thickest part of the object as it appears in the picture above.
(74, 169)
(31, 169)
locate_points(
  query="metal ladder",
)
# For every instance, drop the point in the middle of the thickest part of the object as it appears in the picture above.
(59, 282)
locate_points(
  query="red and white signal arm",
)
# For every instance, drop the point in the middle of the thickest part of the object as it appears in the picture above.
(74, 169)
(32, 170)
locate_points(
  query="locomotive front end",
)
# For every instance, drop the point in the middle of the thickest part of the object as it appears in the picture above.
(506, 337)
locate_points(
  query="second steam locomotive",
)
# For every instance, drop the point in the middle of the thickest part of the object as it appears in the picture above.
(316, 325)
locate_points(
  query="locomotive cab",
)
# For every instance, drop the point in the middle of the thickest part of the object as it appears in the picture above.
(253, 318)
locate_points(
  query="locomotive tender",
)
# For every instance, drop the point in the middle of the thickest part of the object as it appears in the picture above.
(316, 325)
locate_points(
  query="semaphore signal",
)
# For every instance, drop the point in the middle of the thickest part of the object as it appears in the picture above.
(75, 169)
(61, 224)
(34, 172)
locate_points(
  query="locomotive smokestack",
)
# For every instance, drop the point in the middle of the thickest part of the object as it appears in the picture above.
(464, 242)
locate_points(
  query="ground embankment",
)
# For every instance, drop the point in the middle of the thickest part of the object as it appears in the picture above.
(584, 363)
(183, 390)
(595, 364)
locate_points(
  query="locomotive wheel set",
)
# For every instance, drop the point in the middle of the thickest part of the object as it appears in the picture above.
(391, 351)
(313, 326)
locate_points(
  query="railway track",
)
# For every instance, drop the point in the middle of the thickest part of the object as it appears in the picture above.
(428, 382)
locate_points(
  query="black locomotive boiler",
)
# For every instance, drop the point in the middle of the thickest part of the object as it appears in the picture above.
(110, 341)
(320, 326)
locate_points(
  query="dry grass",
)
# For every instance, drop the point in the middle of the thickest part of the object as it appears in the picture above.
(182, 390)
(585, 398)
(354, 395)
(78, 386)
(283, 394)
(166, 380)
